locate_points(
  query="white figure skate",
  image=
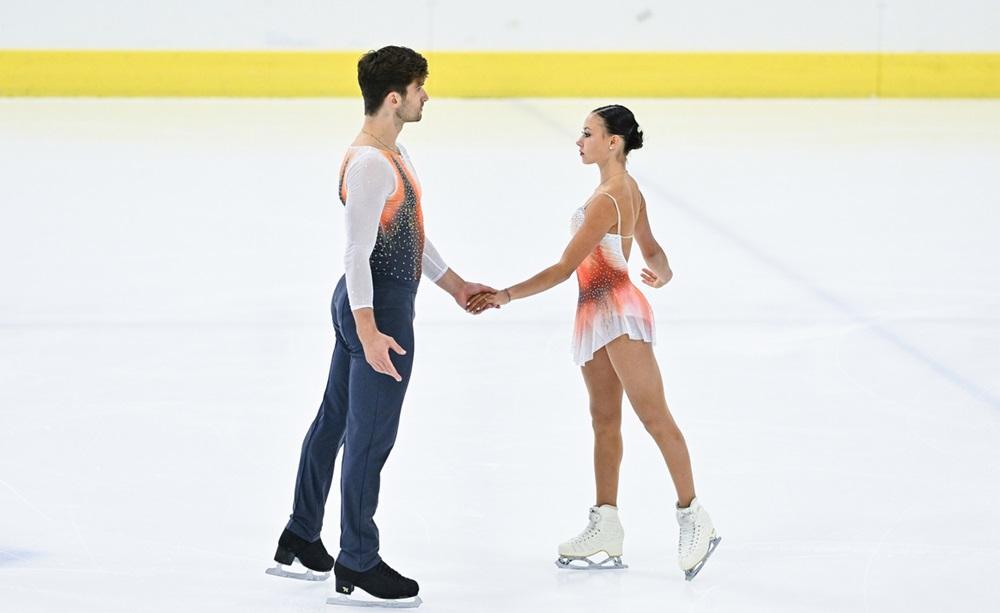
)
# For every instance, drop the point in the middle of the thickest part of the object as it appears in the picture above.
(603, 533)
(697, 539)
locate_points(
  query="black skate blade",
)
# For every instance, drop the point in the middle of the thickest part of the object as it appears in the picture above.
(691, 573)
(609, 563)
(381, 603)
(309, 575)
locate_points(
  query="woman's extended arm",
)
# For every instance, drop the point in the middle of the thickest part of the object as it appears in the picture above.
(598, 218)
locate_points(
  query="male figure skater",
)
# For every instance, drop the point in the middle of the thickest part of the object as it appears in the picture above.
(386, 254)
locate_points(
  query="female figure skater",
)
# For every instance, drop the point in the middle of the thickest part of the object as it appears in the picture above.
(612, 342)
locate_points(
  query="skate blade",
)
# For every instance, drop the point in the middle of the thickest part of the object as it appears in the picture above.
(692, 572)
(308, 575)
(402, 603)
(609, 563)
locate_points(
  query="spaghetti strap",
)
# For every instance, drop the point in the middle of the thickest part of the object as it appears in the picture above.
(619, 211)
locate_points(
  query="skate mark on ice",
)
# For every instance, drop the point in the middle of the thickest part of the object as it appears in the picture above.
(15, 557)
(84, 543)
(871, 560)
(27, 502)
(867, 322)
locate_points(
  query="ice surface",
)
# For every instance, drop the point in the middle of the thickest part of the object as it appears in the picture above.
(830, 346)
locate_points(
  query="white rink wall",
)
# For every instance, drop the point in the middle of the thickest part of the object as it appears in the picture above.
(428, 25)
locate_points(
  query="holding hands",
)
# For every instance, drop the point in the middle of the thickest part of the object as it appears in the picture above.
(487, 300)
(467, 291)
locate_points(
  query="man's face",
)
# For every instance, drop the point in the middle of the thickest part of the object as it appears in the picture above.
(412, 106)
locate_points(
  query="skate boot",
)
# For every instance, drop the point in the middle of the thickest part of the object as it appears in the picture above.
(312, 556)
(697, 538)
(388, 588)
(603, 533)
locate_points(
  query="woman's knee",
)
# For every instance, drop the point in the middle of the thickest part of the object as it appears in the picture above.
(660, 425)
(606, 419)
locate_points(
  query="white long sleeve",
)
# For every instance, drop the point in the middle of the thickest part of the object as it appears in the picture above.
(369, 181)
(433, 265)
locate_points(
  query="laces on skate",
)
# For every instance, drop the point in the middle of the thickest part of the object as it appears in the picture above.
(697, 539)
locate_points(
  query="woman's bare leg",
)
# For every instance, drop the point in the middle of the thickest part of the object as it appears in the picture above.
(606, 416)
(636, 368)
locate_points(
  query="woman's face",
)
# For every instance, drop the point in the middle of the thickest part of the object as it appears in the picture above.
(594, 142)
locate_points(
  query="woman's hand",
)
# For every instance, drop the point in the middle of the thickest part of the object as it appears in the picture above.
(467, 291)
(654, 279)
(487, 300)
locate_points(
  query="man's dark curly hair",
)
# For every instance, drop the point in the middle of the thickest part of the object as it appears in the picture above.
(390, 69)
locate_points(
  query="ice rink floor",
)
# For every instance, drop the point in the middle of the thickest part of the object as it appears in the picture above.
(830, 345)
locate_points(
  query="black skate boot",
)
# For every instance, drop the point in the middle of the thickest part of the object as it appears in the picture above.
(311, 555)
(382, 582)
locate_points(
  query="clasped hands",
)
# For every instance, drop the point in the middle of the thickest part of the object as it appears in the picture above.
(491, 299)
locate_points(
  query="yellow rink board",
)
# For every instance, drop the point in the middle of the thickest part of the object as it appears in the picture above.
(504, 74)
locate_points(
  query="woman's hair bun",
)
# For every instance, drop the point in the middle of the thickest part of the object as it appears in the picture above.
(620, 121)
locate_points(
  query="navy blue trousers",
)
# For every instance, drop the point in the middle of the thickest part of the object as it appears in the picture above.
(360, 412)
